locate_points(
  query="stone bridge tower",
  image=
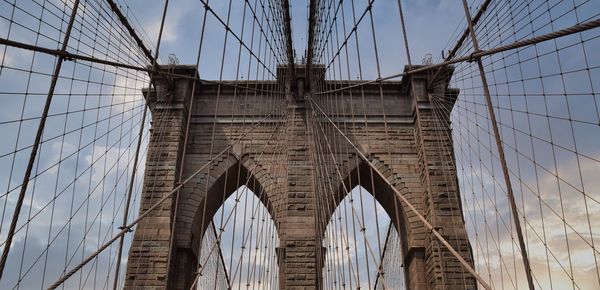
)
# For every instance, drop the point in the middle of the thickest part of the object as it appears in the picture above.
(420, 166)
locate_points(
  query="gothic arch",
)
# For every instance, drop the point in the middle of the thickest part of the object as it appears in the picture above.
(226, 177)
(358, 173)
(197, 206)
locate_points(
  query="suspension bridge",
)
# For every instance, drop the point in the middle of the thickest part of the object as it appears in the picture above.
(264, 144)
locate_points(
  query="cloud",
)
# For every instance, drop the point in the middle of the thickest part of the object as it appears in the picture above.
(6, 59)
(345, 243)
(178, 17)
(557, 226)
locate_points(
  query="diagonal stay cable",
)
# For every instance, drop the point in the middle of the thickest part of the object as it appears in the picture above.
(481, 53)
(74, 57)
(125, 22)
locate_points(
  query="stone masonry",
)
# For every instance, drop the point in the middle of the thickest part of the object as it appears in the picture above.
(413, 149)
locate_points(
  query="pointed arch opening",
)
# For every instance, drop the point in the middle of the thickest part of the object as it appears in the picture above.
(227, 233)
(362, 245)
(238, 248)
(392, 240)
(233, 175)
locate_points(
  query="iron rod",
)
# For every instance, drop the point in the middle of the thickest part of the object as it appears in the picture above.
(131, 31)
(405, 36)
(464, 35)
(466, 32)
(501, 155)
(68, 55)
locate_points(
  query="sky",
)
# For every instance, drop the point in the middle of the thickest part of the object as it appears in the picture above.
(546, 101)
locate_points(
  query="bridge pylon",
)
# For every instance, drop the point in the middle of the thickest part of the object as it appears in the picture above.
(416, 157)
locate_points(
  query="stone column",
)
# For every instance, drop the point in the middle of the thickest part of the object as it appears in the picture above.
(147, 263)
(438, 173)
(297, 253)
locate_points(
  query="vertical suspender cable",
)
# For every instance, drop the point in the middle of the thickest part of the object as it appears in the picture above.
(37, 141)
(405, 36)
(185, 142)
(139, 143)
(501, 156)
(421, 137)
